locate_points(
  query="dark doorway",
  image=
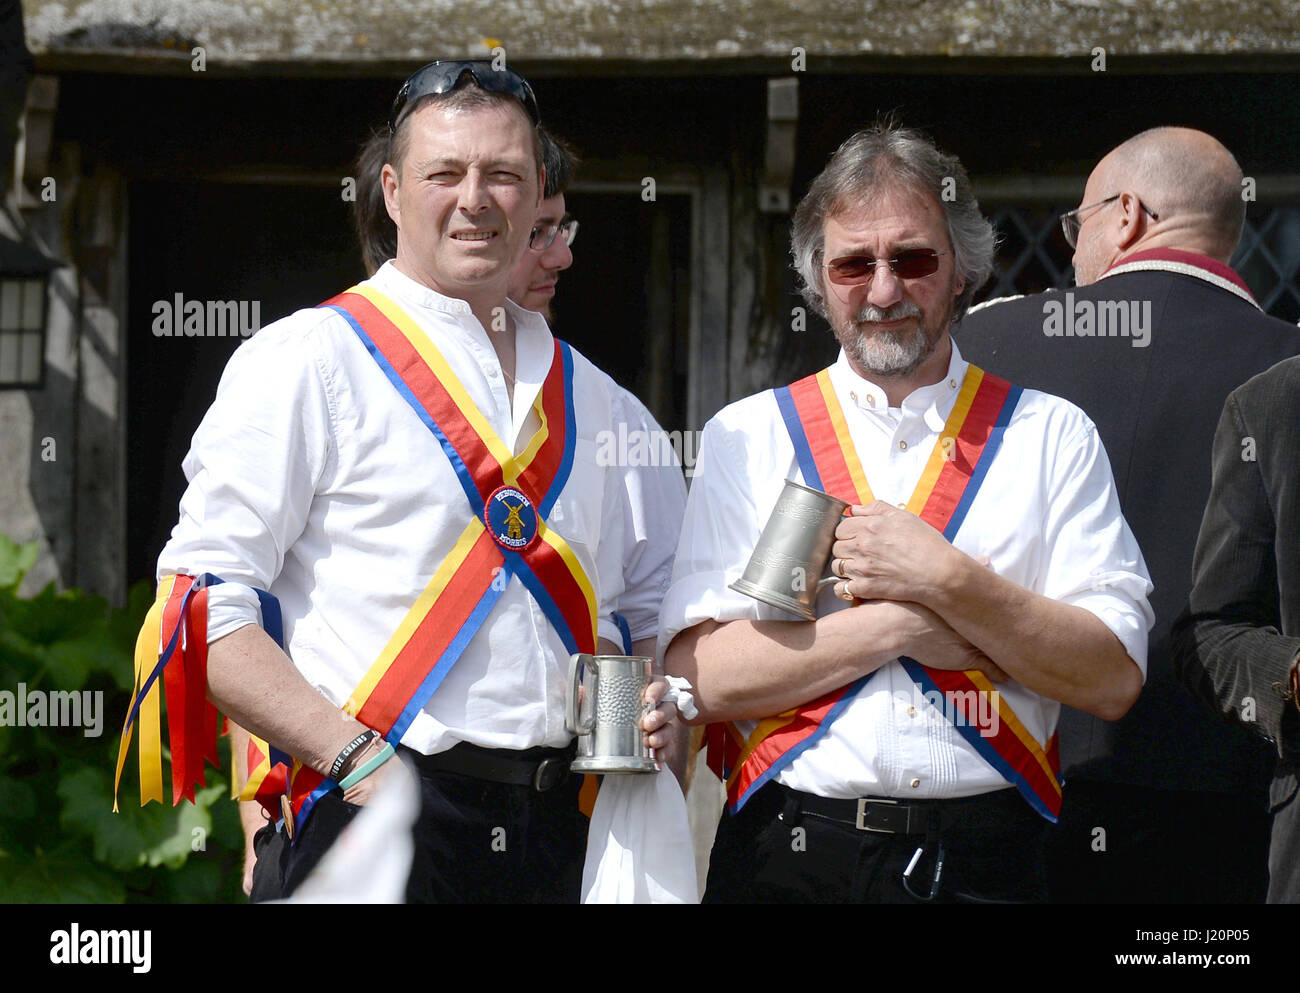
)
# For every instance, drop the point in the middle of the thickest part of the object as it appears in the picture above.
(286, 247)
(625, 303)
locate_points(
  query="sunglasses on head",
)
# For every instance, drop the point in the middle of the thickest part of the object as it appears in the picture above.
(443, 77)
(850, 270)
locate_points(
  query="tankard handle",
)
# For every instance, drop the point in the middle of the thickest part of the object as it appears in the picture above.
(572, 715)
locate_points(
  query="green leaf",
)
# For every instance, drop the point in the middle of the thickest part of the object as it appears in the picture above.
(157, 834)
(50, 616)
(15, 560)
(71, 662)
(120, 839)
(66, 876)
(193, 825)
(17, 800)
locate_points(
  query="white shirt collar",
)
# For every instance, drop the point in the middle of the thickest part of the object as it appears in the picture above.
(534, 344)
(933, 402)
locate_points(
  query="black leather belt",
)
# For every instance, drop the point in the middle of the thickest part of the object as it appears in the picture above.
(540, 768)
(884, 815)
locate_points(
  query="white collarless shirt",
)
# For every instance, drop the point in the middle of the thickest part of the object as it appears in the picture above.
(312, 478)
(654, 501)
(1047, 517)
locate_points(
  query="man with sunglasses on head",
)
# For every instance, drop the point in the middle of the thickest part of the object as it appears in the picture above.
(400, 487)
(903, 749)
(1162, 330)
(654, 496)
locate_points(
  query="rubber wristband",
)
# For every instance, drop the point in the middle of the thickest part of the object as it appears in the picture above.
(386, 753)
(348, 749)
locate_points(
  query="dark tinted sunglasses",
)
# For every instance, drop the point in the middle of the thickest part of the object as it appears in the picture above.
(443, 77)
(850, 270)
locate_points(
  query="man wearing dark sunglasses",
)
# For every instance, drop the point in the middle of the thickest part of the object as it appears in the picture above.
(1158, 222)
(904, 749)
(349, 490)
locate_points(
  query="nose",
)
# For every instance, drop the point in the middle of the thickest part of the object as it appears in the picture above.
(559, 256)
(885, 289)
(473, 192)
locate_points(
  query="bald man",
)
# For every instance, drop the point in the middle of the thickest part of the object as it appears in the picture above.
(1167, 804)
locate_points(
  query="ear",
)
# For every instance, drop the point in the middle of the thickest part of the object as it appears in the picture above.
(388, 182)
(541, 185)
(1126, 221)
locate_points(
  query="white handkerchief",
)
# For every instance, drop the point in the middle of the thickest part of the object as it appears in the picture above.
(639, 844)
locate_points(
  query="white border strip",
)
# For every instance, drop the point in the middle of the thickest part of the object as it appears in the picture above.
(1165, 265)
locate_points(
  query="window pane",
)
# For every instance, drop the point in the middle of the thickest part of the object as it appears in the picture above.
(8, 357)
(33, 298)
(31, 357)
(10, 301)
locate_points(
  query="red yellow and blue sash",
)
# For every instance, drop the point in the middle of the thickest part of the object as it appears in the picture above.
(948, 485)
(491, 548)
(506, 534)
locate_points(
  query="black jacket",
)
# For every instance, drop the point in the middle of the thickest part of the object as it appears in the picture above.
(1235, 645)
(1155, 407)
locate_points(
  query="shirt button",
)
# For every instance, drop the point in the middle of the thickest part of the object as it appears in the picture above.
(915, 783)
(902, 446)
(853, 396)
(871, 399)
(492, 373)
(902, 505)
(952, 384)
(911, 711)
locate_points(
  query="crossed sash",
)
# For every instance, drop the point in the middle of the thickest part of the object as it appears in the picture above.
(509, 499)
(949, 482)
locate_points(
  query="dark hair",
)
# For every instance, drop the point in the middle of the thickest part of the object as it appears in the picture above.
(376, 232)
(560, 160)
(876, 159)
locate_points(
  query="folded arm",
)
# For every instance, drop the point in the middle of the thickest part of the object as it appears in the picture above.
(751, 669)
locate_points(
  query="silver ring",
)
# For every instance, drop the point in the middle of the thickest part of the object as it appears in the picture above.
(837, 566)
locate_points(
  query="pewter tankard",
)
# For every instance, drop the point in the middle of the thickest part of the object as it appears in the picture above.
(793, 550)
(606, 701)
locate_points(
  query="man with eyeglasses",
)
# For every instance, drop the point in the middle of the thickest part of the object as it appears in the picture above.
(902, 750)
(1163, 329)
(654, 496)
(400, 488)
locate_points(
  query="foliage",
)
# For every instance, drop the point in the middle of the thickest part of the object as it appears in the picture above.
(59, 838)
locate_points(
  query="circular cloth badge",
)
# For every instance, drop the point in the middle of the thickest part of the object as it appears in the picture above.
(511, 518)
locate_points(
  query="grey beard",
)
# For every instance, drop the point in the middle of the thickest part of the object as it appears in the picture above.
(886, 353)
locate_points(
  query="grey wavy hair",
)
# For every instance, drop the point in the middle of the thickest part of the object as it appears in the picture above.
(890, 156)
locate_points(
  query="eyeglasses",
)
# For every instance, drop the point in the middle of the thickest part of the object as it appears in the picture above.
(1070, 222)
(543, 236)
(850, 270)
(443, 77)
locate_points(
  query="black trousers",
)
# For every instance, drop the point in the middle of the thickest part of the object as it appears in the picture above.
(475, 842)
(773, 851)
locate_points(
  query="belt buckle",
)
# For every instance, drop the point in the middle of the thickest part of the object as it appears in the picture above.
(541, 782)
(862, 824)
